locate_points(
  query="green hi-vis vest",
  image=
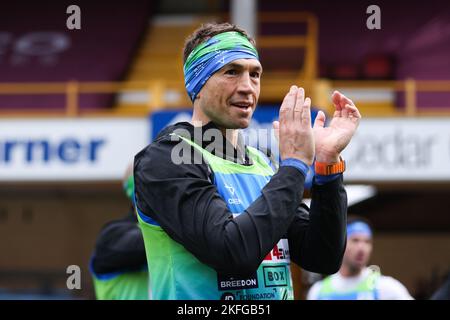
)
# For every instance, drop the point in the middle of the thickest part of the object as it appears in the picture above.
(122, 286)
(365, 290)
(176, 274)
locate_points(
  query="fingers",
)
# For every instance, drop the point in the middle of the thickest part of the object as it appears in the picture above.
(295, 109)
(302, 109)
(298, 109)
(339, 100)
(345, 100)
(276, 129)
(287, 107)
(320, 120)
(336, 99)
(344, 106)
(352, 112)
(344, 111)
(306, 113)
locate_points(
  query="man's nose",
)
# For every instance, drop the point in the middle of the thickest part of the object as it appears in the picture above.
(245, 84)
(362, 247)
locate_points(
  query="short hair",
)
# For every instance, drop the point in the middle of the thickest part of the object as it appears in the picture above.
(207, 31)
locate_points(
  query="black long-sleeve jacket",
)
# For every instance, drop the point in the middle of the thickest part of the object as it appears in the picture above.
(187, 205)
(119, 247)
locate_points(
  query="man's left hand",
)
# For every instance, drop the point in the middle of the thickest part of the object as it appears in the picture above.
(331, 140)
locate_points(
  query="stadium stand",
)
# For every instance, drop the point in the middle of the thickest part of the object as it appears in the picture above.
(40, 55)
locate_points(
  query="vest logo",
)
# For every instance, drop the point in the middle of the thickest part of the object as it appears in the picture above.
(275, 276)
(279, 253)
(233, 283)
(233, 200)
(230, 189)
(227, 296)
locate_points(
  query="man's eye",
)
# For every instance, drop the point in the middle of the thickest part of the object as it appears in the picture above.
(231, 71)
(255, 75)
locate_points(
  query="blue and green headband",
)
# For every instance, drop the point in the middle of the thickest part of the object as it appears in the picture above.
(210, 56)
(359, 227)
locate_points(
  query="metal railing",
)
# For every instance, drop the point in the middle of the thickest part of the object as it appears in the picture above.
(307, 41)
(72, 91)
(410, 87)
(156, 90)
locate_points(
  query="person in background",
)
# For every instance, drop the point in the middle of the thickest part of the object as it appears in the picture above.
(118, 264)
(355, 280)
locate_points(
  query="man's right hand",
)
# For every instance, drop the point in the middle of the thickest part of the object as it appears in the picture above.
(295, 134)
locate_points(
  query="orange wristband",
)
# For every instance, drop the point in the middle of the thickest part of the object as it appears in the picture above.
(326, 169)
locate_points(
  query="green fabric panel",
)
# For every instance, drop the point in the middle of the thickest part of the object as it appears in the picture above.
(217, 164)
(127, 286)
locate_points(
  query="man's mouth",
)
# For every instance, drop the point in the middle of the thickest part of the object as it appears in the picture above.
(242, 104)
